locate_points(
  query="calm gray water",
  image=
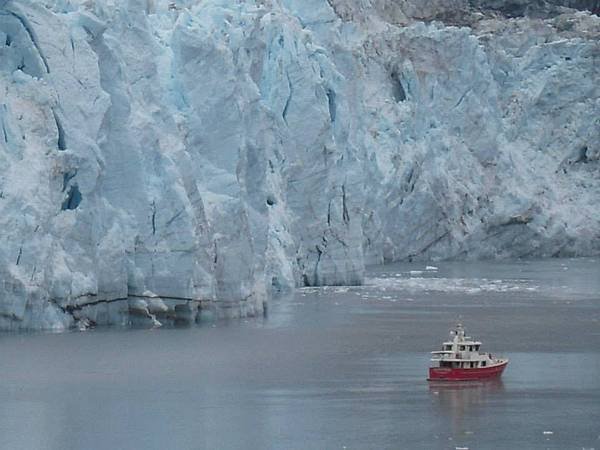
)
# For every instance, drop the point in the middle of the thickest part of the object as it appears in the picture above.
(331, 368)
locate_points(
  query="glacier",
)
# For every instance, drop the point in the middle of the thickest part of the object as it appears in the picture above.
(166, 161)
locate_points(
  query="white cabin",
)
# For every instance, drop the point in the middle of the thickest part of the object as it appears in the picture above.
(462, 352)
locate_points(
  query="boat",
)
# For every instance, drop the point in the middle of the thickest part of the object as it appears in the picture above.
(460, 360)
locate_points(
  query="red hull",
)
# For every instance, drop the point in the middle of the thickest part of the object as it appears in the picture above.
(449, 374)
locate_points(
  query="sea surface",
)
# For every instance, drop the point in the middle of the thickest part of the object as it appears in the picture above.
(328, 368)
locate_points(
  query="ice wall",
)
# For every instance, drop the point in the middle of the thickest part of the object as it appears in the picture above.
(163, 160)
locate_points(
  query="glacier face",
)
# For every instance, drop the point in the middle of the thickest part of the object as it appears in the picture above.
(164, 160)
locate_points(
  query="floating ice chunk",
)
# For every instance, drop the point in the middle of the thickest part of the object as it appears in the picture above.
(341, 289)
(548, 432)
(465, 285)
(431, 268)
(416, 272)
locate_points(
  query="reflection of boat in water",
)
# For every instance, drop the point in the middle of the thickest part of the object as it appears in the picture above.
(467, 390)
(460, 360)
(457, 398)
(462, 404)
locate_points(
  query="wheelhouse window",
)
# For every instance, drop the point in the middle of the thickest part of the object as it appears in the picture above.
(462, 347)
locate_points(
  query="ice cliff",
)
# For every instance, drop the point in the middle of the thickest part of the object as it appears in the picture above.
(164, 160)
